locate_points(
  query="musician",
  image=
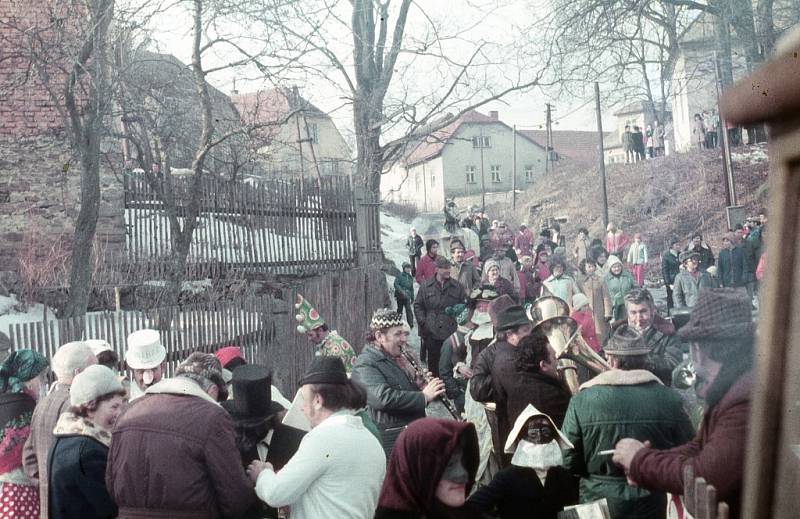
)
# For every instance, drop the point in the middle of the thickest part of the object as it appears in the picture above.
(626, 400)
(397, 392)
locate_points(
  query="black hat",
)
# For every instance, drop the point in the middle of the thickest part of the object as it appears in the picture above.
(325, 370)
(252, 393)
(511, 317)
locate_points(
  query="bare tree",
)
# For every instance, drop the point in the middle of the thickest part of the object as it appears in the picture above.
(68, 52)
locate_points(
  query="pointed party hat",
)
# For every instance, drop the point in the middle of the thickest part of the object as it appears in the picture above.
(307, 315)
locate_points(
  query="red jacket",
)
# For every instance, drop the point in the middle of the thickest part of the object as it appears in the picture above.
(426, 269)
(716, 452)
(585, 320)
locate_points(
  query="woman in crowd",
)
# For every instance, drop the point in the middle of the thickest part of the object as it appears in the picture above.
(80, 450)
(23, 380)
(559, 284)
(582, 314)
(492, 277)
(600, 257)
(637, 258)
(431, 472)
(591, 283)
(619, 282)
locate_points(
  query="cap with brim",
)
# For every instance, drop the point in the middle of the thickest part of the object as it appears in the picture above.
(206, 366)
(325, 370)
(510, 318)
(528, 413)
(688, 254)
(145, 350)
(626, 341)
(498, 305)
(720, 313)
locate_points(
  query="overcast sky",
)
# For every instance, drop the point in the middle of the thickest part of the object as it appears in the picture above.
(498, 20)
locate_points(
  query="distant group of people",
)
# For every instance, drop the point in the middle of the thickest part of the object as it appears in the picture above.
(638, 146)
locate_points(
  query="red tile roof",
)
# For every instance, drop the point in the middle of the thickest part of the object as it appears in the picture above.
(272, 106)
(576, 146)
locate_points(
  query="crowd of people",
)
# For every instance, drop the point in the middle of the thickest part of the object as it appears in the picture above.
(561, 381)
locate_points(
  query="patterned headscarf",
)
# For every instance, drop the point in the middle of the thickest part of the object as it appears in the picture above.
(20, 367)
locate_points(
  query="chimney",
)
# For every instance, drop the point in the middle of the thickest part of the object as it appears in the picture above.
(493, 114)
(234, 91)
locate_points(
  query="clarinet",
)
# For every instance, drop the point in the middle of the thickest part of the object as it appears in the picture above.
(448, 404)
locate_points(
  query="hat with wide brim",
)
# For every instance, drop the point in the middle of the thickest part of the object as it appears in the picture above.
(528, 413)
(510, 318)
(720, 313)
(145, 350)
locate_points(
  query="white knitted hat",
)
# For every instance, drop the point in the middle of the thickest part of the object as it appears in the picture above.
(579, 301)
(145, 350)
(93, 382)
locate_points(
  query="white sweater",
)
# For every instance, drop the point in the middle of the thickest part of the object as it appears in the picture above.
(337, 472)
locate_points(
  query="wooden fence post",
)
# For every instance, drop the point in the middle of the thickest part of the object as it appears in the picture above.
(368, 227)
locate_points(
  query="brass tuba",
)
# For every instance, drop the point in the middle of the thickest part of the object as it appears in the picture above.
(564, 336)
(547, 307)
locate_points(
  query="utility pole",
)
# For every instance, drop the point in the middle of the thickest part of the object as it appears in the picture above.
(514, 169)
(547, 138)
(727, 163)
(601, 158)
(483, 177)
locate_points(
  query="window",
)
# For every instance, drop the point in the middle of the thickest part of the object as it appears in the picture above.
(528, 173)
(470, 170)
(495, 170)
(313, 132)
(481, 142)
(433, 179)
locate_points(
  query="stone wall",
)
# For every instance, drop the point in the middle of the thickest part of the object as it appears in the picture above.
(39, 200)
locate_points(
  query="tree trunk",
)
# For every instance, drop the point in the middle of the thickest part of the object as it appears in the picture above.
(723, 36)
(765, 25)
(741, 12)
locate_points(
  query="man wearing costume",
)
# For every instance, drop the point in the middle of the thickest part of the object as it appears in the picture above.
(259, 434)
(326, 341)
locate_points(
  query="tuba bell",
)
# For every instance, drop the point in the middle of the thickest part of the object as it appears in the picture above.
(564, 335)
(547, 307)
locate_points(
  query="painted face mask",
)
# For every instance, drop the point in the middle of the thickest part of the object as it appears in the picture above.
(537, 455)
(455, 470)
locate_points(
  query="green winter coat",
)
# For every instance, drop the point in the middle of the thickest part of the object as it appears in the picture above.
(618, 287)
(614, 405)
(404, 287)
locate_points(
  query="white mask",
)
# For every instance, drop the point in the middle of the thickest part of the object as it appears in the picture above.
(537, 456)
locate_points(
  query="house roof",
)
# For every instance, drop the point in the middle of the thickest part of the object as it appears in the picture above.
(432, 145)
(576, 146)
(273, 105)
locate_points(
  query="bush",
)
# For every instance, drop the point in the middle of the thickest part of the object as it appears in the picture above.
(405, 212)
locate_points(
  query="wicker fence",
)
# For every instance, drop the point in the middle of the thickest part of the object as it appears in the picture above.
(263, 326)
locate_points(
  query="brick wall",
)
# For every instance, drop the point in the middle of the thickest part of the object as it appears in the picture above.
(26, 108)
(39, 201)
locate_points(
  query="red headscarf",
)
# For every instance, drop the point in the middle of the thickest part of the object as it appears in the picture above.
(419, 459)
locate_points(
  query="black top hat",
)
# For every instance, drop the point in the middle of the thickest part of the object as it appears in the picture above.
(325, 370)
(252, 393)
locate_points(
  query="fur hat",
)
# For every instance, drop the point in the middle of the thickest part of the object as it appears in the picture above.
(579, 301)
(93, 382)
(688, 254)
(720, 313)
(204, 366)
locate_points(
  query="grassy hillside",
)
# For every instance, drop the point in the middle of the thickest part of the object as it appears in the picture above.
(668, 196)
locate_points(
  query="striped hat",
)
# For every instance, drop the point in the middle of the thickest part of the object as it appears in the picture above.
(384, 318)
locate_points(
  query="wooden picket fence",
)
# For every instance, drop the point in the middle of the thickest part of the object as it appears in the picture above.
(280, 226)
(263, 326)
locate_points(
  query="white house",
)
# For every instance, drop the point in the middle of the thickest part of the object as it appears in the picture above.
(471, 155)
(295, 137)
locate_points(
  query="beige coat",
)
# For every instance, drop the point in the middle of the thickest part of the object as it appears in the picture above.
(37, 446)
(596, 292)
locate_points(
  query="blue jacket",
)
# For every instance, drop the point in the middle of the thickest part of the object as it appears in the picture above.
(77, 471)
(730, 267)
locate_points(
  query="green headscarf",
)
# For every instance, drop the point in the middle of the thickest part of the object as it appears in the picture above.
(459, 312)
(20, 367)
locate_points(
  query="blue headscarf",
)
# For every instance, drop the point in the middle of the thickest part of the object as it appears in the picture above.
(20, 367)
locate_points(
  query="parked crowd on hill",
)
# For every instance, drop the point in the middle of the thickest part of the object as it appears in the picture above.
(561, 382)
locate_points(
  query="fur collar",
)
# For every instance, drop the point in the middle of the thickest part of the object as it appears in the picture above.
(70, 424)
(180, 386)
(618, 377)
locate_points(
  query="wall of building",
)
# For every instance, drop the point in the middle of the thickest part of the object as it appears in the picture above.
(460, 156)
(39, 201)
(419, 185)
